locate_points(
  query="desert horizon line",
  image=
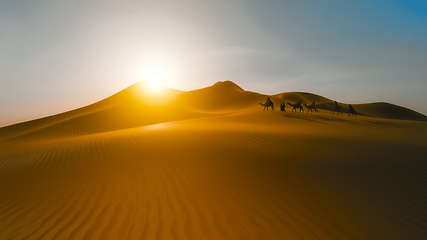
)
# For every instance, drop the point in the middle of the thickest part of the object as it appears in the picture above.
(228, 82)
(273, 94)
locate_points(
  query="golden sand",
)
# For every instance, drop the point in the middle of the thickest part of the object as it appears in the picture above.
(211, 165)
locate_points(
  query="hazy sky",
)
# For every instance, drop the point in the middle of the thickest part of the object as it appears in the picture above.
(56, 55)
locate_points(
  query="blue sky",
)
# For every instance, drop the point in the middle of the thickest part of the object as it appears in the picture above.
(56, 55)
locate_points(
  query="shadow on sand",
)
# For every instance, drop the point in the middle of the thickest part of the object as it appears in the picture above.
(302, 117)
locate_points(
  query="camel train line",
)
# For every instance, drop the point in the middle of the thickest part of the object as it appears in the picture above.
(312, 108)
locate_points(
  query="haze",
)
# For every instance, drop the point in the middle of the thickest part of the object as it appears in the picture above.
(60, 55)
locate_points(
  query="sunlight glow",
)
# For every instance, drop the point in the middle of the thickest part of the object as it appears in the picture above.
(157, 69)
(155, 78)
(155, 75)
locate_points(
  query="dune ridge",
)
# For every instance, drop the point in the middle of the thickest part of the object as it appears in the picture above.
(212, 170)
(220, 97)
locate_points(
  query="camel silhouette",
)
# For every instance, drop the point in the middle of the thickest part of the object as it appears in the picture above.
(295, 106)
(268, 103)
(282, 107)
(336, 109)
(312, 107)
(351, 111)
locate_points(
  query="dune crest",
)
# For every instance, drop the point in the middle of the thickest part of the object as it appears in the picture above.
(133, 107)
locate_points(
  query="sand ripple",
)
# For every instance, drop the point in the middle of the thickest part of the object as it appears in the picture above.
(238, 176)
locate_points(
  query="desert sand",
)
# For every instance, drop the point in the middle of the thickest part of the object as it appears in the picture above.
(211, 164)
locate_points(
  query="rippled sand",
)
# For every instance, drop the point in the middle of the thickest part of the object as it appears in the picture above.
(243, 174)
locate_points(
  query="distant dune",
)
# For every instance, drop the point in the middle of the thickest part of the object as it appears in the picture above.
(211, 164)
(129, 106)
(379, 109)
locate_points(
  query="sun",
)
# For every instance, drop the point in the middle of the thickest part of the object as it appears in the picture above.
(155, 77)
(154, 84)
(153, 90)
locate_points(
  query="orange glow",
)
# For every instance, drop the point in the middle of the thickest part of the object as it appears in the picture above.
(155, 76)
(153, 86)
(154, 94)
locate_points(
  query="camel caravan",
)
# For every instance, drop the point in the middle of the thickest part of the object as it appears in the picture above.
(312, 108)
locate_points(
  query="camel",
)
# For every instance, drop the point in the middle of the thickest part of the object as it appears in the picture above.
(295, 106)
(282, 107)
(351, 111)
(311, 107)
(268, 104)
(336, 108)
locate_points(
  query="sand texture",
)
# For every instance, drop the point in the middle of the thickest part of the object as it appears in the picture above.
(211, 164)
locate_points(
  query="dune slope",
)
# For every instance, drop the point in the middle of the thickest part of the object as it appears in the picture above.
(215, 172)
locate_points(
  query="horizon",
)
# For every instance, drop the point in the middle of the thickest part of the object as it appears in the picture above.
(58, 56)
(145, 90)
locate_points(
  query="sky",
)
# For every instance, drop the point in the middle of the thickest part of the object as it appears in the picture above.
(58, 55)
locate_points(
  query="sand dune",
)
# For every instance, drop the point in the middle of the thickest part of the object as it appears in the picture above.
(378, 109)
(131, 108)
(211, 164)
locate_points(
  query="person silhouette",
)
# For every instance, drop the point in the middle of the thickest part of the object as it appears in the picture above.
(282, 107)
